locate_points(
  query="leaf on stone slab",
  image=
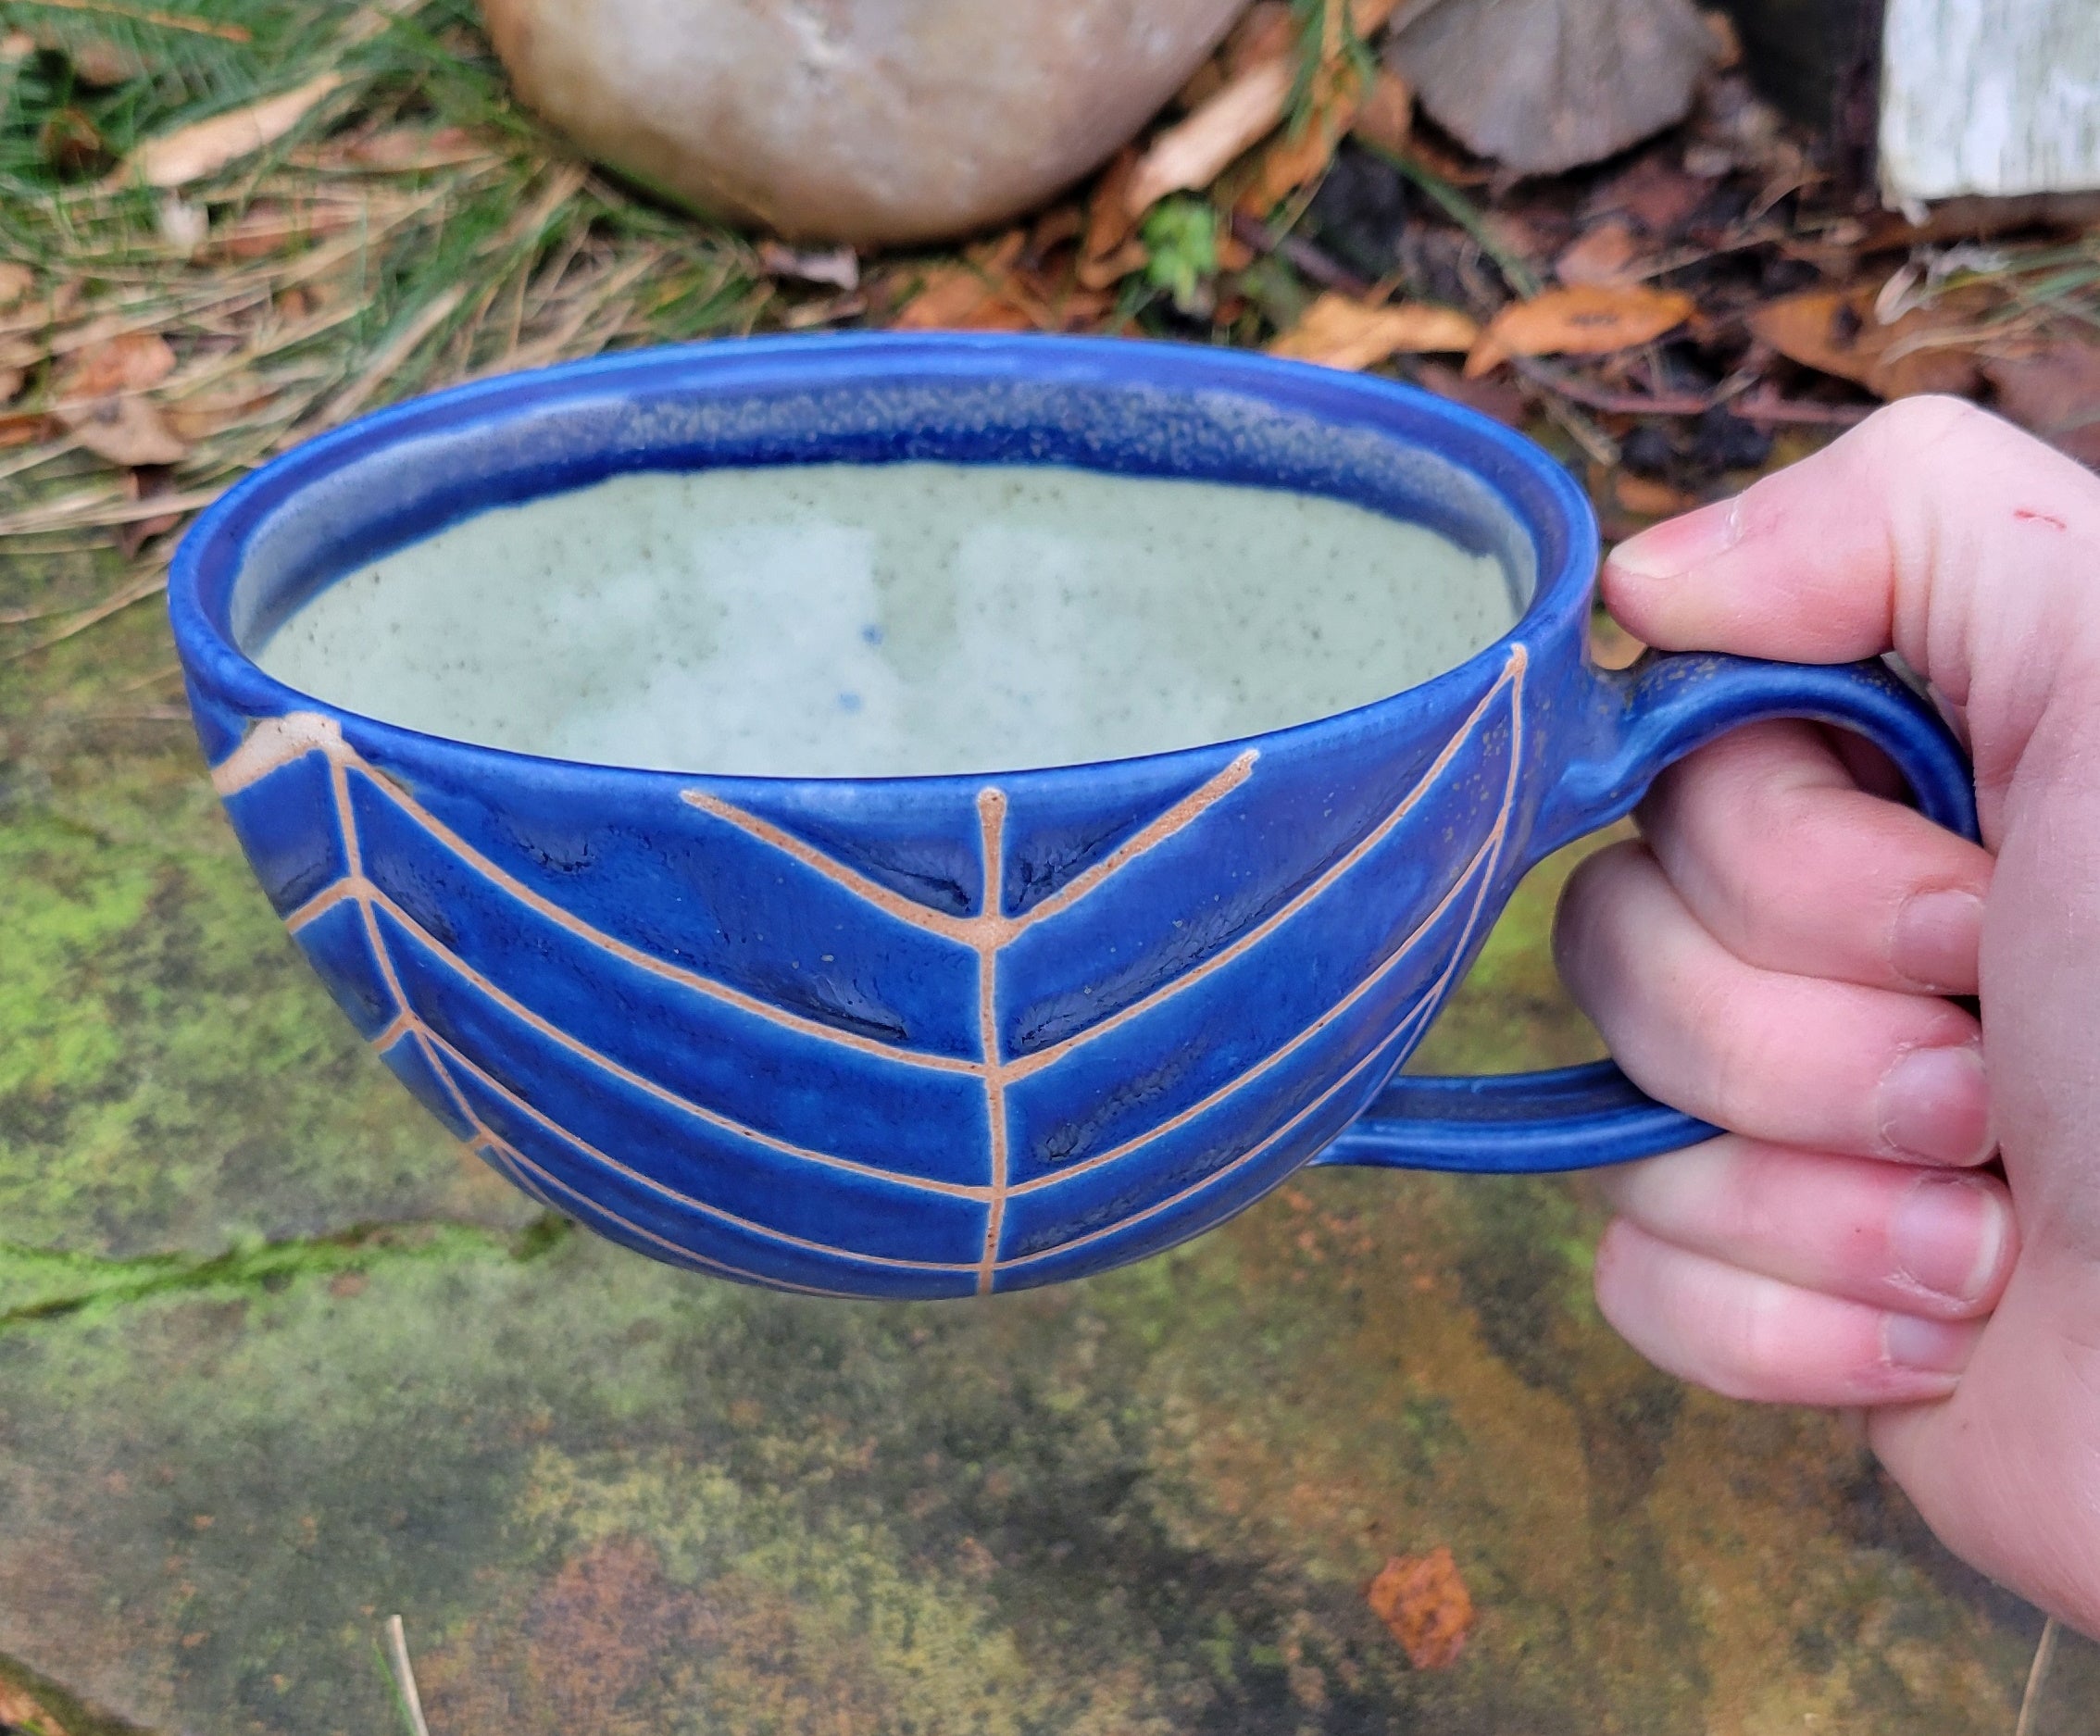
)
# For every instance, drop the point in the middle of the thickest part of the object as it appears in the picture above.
(130, 361)
(125, 430)
(1425, 1605)
(1338, 331)
(1581, 320)
(2053, 390)
(201, 150)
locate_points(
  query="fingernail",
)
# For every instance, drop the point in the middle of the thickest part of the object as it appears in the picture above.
(1947, 1236)
(1930, 1346)
(1935, 1105)
(1936, 938)
(1668, 550)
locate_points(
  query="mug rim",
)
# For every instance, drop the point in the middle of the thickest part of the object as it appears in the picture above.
(208, 561)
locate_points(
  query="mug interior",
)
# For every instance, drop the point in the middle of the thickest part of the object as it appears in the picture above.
(1124, 411)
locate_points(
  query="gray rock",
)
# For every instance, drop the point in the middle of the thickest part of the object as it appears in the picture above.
(1542, 86)
(861, 120)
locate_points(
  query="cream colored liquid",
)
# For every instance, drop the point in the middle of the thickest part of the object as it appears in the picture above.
(860, 621)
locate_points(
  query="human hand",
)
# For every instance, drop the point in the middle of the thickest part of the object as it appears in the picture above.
(1774, 954)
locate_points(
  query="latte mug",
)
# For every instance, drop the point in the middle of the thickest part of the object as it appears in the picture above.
(923, 1036)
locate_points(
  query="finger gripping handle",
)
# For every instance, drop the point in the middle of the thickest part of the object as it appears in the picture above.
(1648, 717)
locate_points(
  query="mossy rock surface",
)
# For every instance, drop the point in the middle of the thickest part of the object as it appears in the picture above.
(275, 1365)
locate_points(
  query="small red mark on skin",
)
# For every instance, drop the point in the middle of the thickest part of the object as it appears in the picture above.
(2027, 514)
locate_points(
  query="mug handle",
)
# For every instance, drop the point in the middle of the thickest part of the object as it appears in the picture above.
(1577, 1118)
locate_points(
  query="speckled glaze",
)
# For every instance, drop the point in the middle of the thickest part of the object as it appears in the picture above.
(937, 1036)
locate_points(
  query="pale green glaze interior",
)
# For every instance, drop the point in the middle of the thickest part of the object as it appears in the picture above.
(860, 621)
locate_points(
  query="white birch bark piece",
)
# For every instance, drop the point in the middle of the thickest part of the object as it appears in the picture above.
(1989, 97)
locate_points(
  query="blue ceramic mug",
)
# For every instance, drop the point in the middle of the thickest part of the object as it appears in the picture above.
(1069, 1016)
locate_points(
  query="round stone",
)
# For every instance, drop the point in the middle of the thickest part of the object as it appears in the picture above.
(868, 121)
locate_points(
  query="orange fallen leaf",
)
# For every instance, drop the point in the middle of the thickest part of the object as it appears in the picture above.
(1339, 332)
(1834, 331)
(125, 430)
(1582, 320)
(24, 429)
(956, 298)
(205, 147)
(128, 362)
(1425, 1604)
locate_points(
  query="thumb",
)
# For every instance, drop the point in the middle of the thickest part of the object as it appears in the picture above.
(1932, 530)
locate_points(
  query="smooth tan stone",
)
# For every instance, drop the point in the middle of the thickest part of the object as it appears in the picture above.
(860, 121)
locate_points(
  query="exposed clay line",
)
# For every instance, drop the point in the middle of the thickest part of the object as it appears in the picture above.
(891, 903)
(1178, 818)
(323, 902)
(273, 743)
(1419, 1015)
(992, 828)
(663, 1093)
(1239, 1163)
(1035, 1062)
(525, 1175)
(298, 733)
(1275, 1056)
(665, 1191)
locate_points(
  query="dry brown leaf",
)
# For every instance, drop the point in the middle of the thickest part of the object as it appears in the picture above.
(269, 226)
(1582, 320)
(1108, 251)
(958, 298)
(1266, 30)
(1386, 117)
(2053, 391)
(1340, 331)
(1607, 254)
(11, 380)
(24, 429)
(205, 412)
(1646, 498)
(204, 148)
(1192, 152)
(1834, 331)
(1425, 1605)
(1505, 400)
(396, 150)
(128, 362)
(124, 429)
(15, 282)
(102, 64)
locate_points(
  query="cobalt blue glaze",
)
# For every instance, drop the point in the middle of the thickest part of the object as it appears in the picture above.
(932, 1036)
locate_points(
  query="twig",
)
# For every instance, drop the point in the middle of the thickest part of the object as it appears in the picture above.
(404, 1675)
(1462, 211)
(1760, 406)
(427, 319)
(1612, 402)
(98, 505)
(1301, 253)
(164, 20)
(1585, 433)
(2037, 1675)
